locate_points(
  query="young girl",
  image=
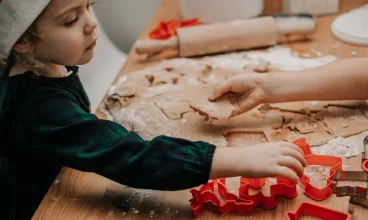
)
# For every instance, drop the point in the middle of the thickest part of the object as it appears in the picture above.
(46, 121)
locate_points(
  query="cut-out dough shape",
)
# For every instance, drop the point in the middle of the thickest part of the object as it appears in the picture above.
(173, 109)
(247, 122)
(222, 108)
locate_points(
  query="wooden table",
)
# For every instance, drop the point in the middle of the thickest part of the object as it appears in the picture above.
(79, 195)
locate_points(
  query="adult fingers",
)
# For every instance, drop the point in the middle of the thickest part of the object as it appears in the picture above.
(222, 89)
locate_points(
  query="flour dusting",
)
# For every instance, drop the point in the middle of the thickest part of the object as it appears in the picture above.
(284, 59)
(342, 147)
(280, 57)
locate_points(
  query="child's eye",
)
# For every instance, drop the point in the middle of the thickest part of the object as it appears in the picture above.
(70, 23)
(90, 4)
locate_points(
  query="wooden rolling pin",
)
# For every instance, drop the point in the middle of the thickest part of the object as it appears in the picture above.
(225, 37)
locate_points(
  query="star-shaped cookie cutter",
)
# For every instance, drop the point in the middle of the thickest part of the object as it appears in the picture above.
(306, 208)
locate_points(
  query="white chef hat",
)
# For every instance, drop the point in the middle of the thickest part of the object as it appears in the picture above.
(15, 18)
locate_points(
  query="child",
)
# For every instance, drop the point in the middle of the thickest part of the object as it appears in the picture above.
(46, 122)
(341, 80)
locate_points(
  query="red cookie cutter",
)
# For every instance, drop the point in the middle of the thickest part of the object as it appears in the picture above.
(206, 198)
(306, 208)
(365, 165)
(313, 159)
(320, 193)
(167, 29)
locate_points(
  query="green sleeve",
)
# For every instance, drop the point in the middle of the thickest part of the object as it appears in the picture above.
(60, 128)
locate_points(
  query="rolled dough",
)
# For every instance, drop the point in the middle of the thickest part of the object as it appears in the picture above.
(163, 100)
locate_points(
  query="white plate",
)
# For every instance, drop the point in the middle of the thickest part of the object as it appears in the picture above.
(352, 27)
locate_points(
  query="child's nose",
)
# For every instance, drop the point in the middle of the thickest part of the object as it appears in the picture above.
(91, 25)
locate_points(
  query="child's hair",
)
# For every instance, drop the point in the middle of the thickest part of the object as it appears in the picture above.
(29, 59)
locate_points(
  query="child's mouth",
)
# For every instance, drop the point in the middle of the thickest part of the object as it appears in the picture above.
(92, 45)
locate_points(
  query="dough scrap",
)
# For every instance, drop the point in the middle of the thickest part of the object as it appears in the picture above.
(262, 66)
(292, 122)
(219, 109)
(337, 118)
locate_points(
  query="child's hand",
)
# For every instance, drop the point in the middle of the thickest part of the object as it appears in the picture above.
(249, 89)
(274, 159)
(258, 161)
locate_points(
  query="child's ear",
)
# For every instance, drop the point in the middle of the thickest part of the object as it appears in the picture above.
(22, 46)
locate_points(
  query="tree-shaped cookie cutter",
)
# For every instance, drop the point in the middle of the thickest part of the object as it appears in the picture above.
(323, 160)
(312, 191)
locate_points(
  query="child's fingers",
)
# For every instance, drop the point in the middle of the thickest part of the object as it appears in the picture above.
(287, 173)
(293, 163)
(295, 154)
(291, 145)
(222, 89)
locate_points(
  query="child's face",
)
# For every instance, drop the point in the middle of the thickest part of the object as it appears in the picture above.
(67, 31)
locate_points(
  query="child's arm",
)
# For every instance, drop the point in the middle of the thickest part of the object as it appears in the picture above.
(341, 80)
(64, 132)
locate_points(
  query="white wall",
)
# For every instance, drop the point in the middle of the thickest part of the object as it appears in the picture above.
(124, 20)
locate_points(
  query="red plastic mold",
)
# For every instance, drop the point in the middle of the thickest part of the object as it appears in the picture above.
(365, 166)
(323, 160)
(254, 183)
(206, 198)
(306, 208)
(302, 144)
(313, 159)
